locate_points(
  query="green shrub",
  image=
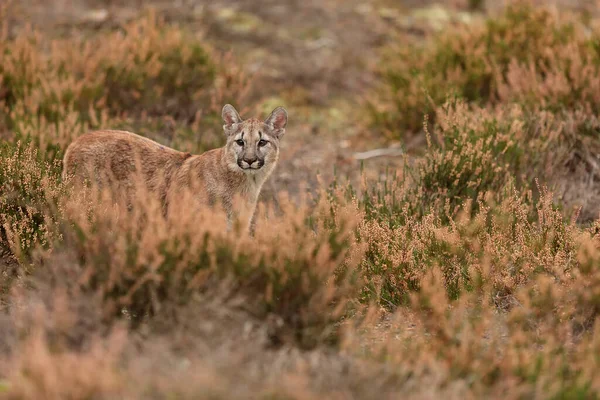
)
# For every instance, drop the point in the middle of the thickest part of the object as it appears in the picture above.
(471, 155)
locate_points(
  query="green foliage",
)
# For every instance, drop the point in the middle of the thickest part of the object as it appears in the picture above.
(475, 154)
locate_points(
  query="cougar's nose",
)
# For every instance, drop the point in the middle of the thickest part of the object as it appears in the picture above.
(250, 160)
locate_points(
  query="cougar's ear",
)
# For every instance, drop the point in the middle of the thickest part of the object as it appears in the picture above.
(230, 117)
(277, 121)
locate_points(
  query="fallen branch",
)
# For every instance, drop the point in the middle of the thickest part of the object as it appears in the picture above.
(387, 152)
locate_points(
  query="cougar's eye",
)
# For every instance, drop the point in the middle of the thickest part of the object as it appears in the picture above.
(262, 143)
(240, 142)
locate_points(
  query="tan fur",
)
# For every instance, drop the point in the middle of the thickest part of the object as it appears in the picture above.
(222, 175)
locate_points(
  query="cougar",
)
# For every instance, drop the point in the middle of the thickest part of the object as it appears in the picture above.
(231, 176)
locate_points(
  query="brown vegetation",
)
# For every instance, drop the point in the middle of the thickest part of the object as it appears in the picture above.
(467, 272)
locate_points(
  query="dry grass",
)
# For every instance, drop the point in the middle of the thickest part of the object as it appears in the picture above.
(458, 275)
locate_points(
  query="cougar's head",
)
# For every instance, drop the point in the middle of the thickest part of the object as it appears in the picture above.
(253, 145)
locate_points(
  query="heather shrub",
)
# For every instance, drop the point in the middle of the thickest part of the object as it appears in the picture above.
(466, 346)
(55, 90)
(41, 100)
(47, 362)
(527, 321)
(29, 190)
(517, 239)
(533, 56)
(143, 263)
(90, 374)
(476, 279)
(468, 201)
(472, 155)
(478, 154)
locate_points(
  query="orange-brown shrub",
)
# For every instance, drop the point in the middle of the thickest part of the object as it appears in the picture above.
(467, 348)
(534, 56)
(29, 188)
(491, 289)
(55, 90)
(143, 262)
(517, 239)
(470, 199)
(39, 370)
